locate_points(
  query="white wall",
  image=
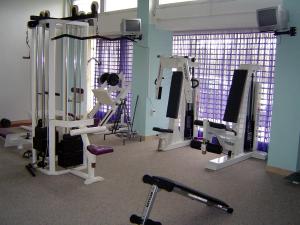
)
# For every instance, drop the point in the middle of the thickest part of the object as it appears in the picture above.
(211, 14)
(15, 93)
(199, 15)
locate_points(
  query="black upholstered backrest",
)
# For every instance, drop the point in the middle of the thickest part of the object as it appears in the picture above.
(174, 95)
(235, 96)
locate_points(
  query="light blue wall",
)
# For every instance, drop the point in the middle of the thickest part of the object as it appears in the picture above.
(145, 69)
(285, 132)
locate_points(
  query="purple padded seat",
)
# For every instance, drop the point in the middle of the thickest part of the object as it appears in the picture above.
(99, 150)
(4, 132)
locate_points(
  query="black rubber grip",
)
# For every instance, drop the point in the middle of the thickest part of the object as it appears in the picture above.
(147, 179)
(152, 222)
(230, 210)
(138, 220)
(161, 183)
(135, 219)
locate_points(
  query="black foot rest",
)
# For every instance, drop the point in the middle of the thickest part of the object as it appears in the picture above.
(162, 130)
(138, 220)
(222, 126)
(212, 124)
(99, 150)
(170, 185)
(213, 148)
(215, 125)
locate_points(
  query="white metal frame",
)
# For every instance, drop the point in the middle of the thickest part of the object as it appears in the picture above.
(104, 97)
(169, 141)
(228, 140)
(53, 122)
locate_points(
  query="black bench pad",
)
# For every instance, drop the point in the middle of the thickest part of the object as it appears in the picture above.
(169, 185)
(162, 130)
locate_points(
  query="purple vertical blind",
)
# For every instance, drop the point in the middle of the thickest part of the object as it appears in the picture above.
(218, 55)
(114, 57)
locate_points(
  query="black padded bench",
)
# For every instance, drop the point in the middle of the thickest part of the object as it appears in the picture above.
(173, 186)
(162, 130)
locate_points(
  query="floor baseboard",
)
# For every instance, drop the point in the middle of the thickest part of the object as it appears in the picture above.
(279, 171)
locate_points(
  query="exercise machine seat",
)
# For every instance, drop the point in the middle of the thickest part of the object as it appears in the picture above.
(4, 132)
(162, 130)
(99, 150)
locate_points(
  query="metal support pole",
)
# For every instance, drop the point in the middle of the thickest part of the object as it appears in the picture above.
(75, 59)
(35, 41)
(65, 74)
(43, 91)
(51, 96)
(34, 84)
(149, 203)
(80, 71)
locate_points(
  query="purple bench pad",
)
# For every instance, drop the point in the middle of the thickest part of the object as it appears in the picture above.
(4, 132)
(99, 150)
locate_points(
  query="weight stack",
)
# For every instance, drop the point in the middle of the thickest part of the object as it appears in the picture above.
(40, 139)
(70, 151)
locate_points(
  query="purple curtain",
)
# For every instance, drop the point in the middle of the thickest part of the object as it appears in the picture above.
(218, 54)
(114, 57)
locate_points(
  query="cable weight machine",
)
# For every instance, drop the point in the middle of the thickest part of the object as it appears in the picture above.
(59, 99)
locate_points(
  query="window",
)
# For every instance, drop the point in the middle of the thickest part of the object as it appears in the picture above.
(163, 2)
(85, 5)
(113, 5)
(218, 55)
(114, 57)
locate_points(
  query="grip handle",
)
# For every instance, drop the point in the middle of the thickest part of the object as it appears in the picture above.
(138, 220)
(135, 219)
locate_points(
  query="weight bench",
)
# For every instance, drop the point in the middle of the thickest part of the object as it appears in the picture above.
(173, 186)
(15, 136)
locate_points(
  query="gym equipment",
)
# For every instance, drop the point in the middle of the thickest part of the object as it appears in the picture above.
(15, 137)
(79, 16)
(60, 66)
(169, 185)
(237, 137)
(182, 97)
(35, 20)
(113, 92)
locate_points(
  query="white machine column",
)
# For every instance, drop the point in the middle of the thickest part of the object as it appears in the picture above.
(51, 97)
